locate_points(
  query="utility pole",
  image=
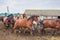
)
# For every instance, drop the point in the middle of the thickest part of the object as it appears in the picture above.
(8, 9)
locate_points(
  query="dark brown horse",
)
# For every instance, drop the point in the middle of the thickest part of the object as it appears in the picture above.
(9, 20)
(1, 18)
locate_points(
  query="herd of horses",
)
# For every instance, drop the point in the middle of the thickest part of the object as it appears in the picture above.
(30, 24)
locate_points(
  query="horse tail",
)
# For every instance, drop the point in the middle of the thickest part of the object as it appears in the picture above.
(2, 19)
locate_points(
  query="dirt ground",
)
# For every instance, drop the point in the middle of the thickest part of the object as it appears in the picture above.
(7, 35)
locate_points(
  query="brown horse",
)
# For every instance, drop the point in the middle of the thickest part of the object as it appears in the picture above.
(51, 24)
(55, 24)
(25, 23)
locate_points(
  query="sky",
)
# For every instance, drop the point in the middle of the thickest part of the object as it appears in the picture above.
(20, 6)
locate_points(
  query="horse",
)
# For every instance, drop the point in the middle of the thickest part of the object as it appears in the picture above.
(54, 24)
(25, 23)
(8, 21)
(1, 18)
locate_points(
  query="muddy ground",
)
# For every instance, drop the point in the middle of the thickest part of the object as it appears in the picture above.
(7, 35)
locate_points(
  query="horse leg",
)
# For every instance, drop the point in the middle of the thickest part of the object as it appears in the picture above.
(12, 25)
(16, 31)
(32, 30)
(6, 27)
(54, 32)
(42, 31)
(21, 29)
(39, 29)
(12, 30)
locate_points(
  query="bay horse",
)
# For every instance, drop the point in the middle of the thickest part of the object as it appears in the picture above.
(25, 23)
(55, 24)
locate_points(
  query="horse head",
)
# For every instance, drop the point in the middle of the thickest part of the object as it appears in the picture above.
(10, 16)
(10, 19)
(34, 17)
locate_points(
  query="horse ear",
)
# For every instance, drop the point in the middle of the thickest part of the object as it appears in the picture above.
(58, 17)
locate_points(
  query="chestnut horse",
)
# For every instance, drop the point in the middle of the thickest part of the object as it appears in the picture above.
(25, 23)
(55, 24)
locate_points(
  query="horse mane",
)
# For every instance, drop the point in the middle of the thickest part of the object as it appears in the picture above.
(29, 19)
(32, 17)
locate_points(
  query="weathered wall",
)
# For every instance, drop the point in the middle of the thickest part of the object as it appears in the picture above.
(43, 12)
(52, 14)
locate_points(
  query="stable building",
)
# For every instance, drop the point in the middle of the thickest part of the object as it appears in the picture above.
(47, 14)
